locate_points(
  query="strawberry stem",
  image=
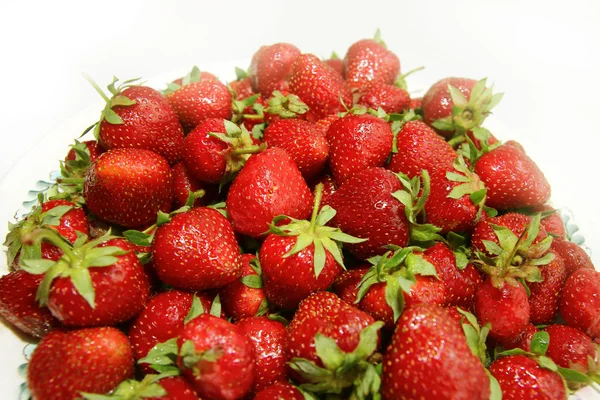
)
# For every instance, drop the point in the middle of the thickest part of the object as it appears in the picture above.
(316, 206)
(50, 236)
(95, 85)
(249, 150)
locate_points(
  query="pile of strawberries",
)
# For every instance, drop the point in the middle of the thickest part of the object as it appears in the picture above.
(307, 231)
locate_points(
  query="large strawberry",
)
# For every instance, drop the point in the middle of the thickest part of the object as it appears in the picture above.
(65, 364)
(196, 250)
(269, 185)
(271, 67)
(389, 98)
(421, 360)
(579, 302)
(139, 117)
(128, 187)
(319, 86)
(245, 297)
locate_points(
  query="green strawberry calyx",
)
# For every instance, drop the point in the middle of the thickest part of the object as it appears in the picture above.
(470, 184)
(289, 106)
(195, 75)
(341, 371)
(401, 79)
(467, 147)
(316, 233)
(476, 336)
(191, 357)
(75, 263)
(131, 389)
(238, 108)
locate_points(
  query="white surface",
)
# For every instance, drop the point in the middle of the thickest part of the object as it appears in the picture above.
(542, 54)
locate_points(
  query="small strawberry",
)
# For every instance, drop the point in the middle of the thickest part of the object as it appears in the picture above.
(269, 185)
(579, 302)
(319, 86)
(280, 391)
(245, 297)
(271, 67)
(183, 183)
(216, 357)
(358, 142)
(551, 220)
(242, 86)
(152, 387)
(570, 348)
(92, 360)
(573, 255)
(335, 62)
(346, 284)
(389, 98)
(543, 296)
(196, 250)
(421, 362)
(79, 158)
(415, 103)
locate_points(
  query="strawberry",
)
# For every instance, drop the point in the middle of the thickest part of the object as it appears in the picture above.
(19, 306)
(369, 61)
(579, 302)
(573, 255)
(128, 187)
(195, 75)
(284, 105)
(138, 117)
(269, 185)
(319, 86)
(512, 178)
(415, 103)
(325, 122)
(242, 86)
(177, 388)
(522, 342)
(216, 357)
(79, 158)
(303, 141)
(91, 147)
(520, 377)
(358, 142)
(543, 297)
(302, 257)
(196, 250)
(152, 387)
(329, 187)
(346, 283)
(570, 348)
(420, 362)
(280, 391)
(389, 98)
(183, 183)
(93, 284)
(245, 297)
(551, 220)
(65, 364)
(269, 338)
(335, 62)
(271, 67)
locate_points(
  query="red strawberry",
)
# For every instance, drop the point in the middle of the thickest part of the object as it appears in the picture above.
(335, 62)
(389, 98)
(242, 87)
(269, 339)
(128, 187)
(368, 61)
(19, 306)
(271, 67)
(196, 250)
(177, 388)
(346, 284)
(269, 185)
(421, 362)
(65, 364)
(284, 105)
(543, 300)
(139, 117)
(329, 187)
(516, 223)
(512, 178)
(573, 255)
(569, 347)
(91, 147)
(280, 391)
(245, 297)
(325, 122)
(152, 387)
(183, 183)
(415, 102)
(358, 142)
(552, 221)
(579, 302)
(303, 141)
(319, 86)
(195, 75)
(524, 340)
(217, 358)
(79, 159)
(520, 377)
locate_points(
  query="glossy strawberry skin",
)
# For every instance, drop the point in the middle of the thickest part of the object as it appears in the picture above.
(242, 87)
(94, 149)
(198, 101)
(238, 300)
(569, 347)
(128, 187)
(231, 375)
(579, 302)
(177, 388)
(366, 209)
(183, 183)
(197, 250)
(346, 284)
(573, 255)
(368, 61)
(279, 391)
(337, 64)
(553, 223)
(149, 124)
(389, 98)
(517, 223)
(269, 339)
(19, 306)
(271, 67)
(289, 280)
(204, 155)
(421, 361)
(319, 86)
(358, 142)
(303, 141)
(93, 360)
(521, 377)
(543, 300)
(269, 185)
(122, 291)
(512, 178)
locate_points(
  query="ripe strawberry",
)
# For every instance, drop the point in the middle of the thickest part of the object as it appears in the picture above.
(91, 147)
(329, 187)
(19, 306)
(579, 302)
(280, 391)
(197, 101)
(523, 342)
(128, 187)
(358, 142)
(138, 117)
(570, 348)
(389, 98)
(520, 377)
(573, 255)
(92, 360)
(177, 388)
(196, 250)
(369, 61)
(303, 141)
(195, 75)
(271, 67)
(284, 105)
(319, 86)
(269, 339)
(216, 357)
(325, 122)
(421, 362)
(415, 103)
(515, 222)
(245, 297)
(269, 185)
(552, 221)
(543, 298)
(152, 387)
(78, 160)
(346, 284)
(512, 178)
(242, 87)
(366, 209)
(183, 183)
(335, 62)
